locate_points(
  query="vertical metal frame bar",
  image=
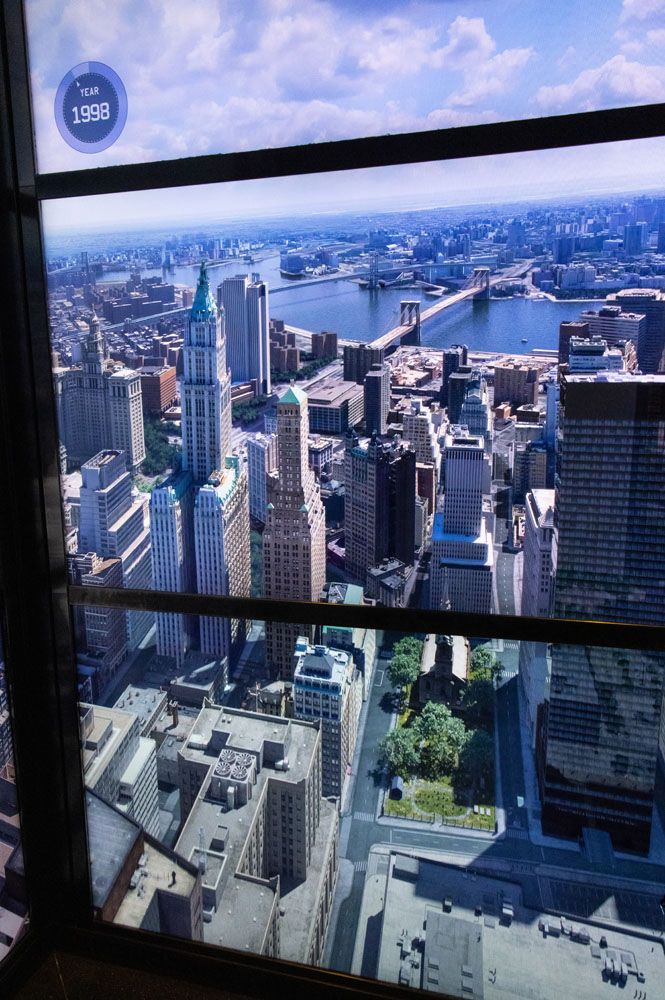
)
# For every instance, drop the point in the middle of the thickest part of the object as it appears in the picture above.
(39, 660)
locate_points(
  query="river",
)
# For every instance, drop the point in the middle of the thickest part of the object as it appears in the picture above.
(358, 314)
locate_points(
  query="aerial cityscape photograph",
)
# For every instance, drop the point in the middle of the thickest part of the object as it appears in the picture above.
(437, 386)
(332, 601)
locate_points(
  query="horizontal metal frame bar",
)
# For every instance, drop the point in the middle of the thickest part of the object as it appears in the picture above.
(572, 632)
(589, 127)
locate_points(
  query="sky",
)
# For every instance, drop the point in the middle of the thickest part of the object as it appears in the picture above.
(223, 75)
(576, 172)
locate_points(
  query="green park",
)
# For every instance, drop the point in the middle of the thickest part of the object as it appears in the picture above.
(444, 757)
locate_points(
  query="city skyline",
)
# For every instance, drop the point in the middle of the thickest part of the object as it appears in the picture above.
(624, 168)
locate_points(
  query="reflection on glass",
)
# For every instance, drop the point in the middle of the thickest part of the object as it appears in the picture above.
(271, 73)
(419, 809)
(13, 897)
(409, 404)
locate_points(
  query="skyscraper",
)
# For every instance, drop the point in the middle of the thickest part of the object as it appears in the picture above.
(458, 383)
(245, 305)
(200, 517)
(101, 633)
(99, 404)
(125, 409)
(453, 358)
(172, 559)
(294, 539)
(515, 383)
(120, 764)
(614, 325)
(113, 523)
(476, 413)
(380, 503)
(261, 461)
(567, 330)
(221, 540)
(635, 237)
(206, 388)
(377, 399)
(537, 594)
(649, 302)
(462, 551)
(89, 421)
(327, 687)
(563, 248)
(421, 431)
(601, 735)
(358, 359)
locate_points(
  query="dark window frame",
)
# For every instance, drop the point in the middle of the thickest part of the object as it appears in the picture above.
(36, 600)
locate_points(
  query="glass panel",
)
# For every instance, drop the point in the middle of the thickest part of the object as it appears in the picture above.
(13, 896)
(435, 406)
(427, 810)
(270, 73)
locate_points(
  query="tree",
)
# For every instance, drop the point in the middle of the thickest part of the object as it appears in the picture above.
(440, 754)
(431, 720)
(160, 454)
(439, 737)
(403, 670)
(476, 761)
(408, 646)
(478, 701)
(399, 752)
(482, 660)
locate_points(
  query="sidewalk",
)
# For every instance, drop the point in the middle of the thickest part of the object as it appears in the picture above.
(436, 826)
(499, 810)
(346, 799)
(517, 581)
(341, 892)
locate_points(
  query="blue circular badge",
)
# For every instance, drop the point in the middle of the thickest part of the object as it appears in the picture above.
(91, 107)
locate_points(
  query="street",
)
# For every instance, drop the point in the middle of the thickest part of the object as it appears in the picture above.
(360, 831)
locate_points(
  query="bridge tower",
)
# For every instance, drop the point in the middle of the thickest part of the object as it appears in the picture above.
(481, 278)
(373, 282)
(409, 315)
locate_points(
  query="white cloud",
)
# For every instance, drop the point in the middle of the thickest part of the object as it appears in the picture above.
(395, 47)
(632, 48)
(656, 36)
(640, 10)
(268, 72)
(492, 78)
(616, 82)
(468, 41)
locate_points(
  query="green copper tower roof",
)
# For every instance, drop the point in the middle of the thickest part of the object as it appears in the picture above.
(293, 395)
(204, 305)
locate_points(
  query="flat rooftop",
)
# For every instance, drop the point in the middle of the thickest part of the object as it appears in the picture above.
(609, 376)
(243, 916)
(437, 926)
(193, 680)
(156, 870)
(110, 727)
(334, 393)
(103, 457)
(143, 700)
